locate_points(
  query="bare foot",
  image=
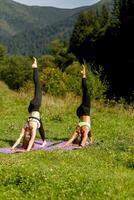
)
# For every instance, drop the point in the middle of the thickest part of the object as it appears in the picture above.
(43, 144)
(34, 65)
(83, 71)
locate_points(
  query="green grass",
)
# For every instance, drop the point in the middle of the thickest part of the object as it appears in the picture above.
(103, 171)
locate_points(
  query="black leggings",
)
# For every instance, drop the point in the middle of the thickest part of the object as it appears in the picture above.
(35, 103)
(84, 108)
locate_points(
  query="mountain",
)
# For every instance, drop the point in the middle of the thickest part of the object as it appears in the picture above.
(15, 17)
(30, 29)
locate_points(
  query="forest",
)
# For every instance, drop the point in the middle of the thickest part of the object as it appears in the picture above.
(102, 39)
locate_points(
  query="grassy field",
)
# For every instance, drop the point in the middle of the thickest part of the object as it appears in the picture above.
(103, 171)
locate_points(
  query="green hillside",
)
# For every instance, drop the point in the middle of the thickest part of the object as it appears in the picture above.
(30, 29)
(21, 17)
(37, 41)
(101, 171)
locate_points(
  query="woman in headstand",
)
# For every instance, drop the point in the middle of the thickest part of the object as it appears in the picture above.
(28, 133)
(83, 130)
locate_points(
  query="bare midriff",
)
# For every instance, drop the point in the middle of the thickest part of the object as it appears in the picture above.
(85, 118)
(35, 114)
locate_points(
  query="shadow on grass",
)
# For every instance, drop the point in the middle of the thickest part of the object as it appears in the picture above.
(10, 142)
(130, 164)
(57, 139)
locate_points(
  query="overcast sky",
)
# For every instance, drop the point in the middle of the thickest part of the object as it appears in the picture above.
(58, 3)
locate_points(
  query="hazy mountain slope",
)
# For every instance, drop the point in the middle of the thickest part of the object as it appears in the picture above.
(30, 29)
(37, 41)
(15, 17)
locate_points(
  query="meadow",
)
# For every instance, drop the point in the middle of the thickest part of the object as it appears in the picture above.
(102, 171)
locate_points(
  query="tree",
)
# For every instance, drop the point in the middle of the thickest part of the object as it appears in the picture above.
(62, 56)
(108, 42)
(3, 54)
(17, 72)
(124, 10)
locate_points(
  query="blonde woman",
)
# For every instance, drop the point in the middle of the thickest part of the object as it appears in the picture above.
(28, 133)
(83, 130)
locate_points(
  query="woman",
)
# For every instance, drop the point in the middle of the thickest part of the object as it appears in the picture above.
(83, 129)
(28, 133)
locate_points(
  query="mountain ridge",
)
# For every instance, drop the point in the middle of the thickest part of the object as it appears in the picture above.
(21, 25)
(12, 12)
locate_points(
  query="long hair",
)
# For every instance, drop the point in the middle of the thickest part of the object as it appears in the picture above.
(27, 136)
(78, 139)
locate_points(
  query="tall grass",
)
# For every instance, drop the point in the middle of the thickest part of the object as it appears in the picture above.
(99, 172)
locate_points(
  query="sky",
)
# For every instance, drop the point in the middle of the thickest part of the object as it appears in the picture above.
(58, 3)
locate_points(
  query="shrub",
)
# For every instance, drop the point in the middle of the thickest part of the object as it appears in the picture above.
(97, 89)
(53, 81)
(46, 61)
(73, 69)
(16, 72)
(95, 85)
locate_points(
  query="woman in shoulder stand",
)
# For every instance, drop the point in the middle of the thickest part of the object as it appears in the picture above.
(83, 130)
(28, 133)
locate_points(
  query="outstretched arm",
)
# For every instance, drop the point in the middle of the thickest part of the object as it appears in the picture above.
(74, 136)
(19, 139)
(84, 136)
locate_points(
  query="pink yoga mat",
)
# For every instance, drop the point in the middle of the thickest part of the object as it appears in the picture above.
(37, 145)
